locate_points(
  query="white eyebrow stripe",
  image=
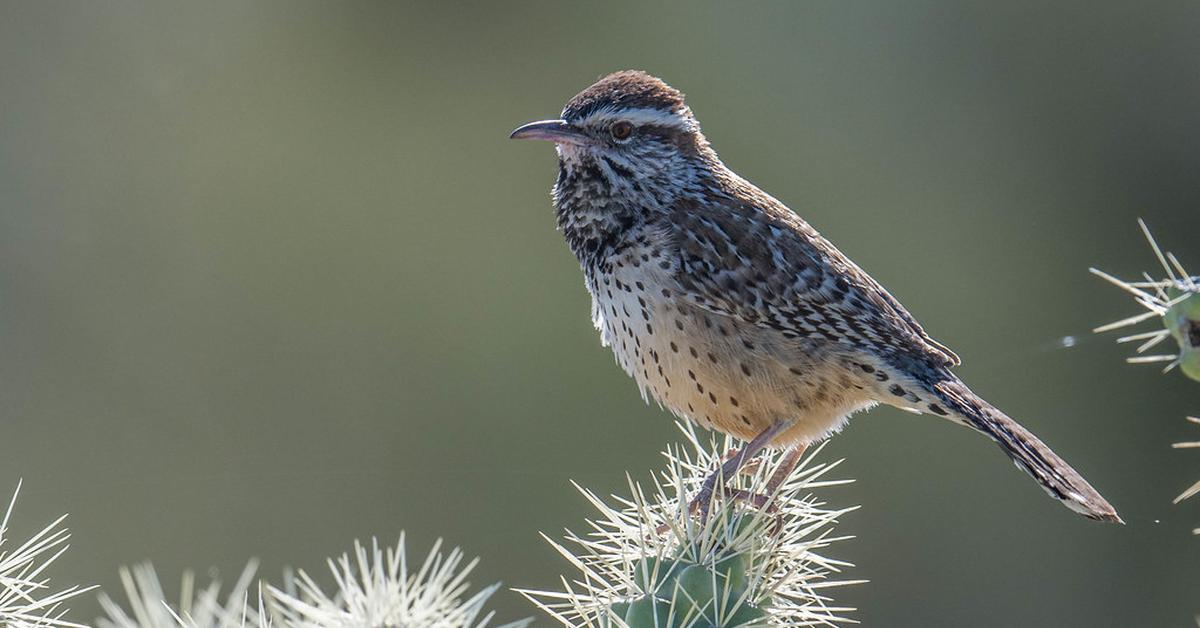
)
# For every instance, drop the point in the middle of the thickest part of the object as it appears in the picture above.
(676, 119)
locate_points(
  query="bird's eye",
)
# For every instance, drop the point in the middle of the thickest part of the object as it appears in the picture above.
(621, 130)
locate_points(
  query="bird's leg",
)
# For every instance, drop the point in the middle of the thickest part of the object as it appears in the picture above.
(789, 464)
(766, 498)
(786, 467)
(751, 466)
(729, 469)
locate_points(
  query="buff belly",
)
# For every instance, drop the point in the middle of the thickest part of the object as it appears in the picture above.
(720, 373)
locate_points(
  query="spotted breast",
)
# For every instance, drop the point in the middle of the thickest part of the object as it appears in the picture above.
(713, 369)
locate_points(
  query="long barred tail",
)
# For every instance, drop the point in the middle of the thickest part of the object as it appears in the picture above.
(1027, 451)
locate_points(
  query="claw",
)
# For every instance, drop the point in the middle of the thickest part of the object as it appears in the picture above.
(741, 461)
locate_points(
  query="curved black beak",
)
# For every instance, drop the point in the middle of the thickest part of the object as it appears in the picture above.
(557, 131)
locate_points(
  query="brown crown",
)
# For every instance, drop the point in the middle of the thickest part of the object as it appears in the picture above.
(625, 89)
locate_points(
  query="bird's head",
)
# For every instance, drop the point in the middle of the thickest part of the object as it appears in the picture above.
(628, 133)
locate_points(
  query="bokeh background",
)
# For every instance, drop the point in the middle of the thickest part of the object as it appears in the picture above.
(272, 278)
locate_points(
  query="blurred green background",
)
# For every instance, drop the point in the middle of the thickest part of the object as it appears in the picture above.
(273, 278)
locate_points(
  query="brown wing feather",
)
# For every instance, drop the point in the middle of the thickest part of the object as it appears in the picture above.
(763, 264)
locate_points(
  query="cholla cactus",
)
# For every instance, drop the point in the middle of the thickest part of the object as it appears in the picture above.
(149, 607)
(25, 597)
(373, 591)
(1195, 488)
(1175, 300)
(376, 589)
(753, 561)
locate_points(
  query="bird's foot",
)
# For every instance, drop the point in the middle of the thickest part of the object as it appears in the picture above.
(701, 504)
(731, 467)
(748, 467)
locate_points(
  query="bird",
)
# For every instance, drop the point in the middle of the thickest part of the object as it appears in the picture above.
(731, 311)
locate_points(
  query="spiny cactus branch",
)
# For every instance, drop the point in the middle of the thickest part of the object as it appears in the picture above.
(746, 564)
(376, 588)
(25, 596)
(1175, 300)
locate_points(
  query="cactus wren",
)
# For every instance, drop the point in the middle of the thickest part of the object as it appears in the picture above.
(729, 309)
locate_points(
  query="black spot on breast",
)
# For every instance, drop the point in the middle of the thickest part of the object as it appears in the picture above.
(745, 369)
(674, 347)
(897, 390)
(733, 401)
(866, 368)
(936, 409)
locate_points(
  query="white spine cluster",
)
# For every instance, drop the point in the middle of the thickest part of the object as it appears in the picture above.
(149, 606)
(26, 599)
(1157, 297)
(376, 588)
(774, 536)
